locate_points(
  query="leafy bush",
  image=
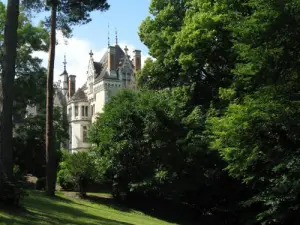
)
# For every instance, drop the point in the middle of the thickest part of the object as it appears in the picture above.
(64, 178)
(76, 171)
(12, 192)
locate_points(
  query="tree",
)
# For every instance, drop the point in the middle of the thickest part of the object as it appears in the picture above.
(194, 48)
(153, 144)
(29, 141)
(64, 14)
(29, 82)
(258, 133)
(30, 38)
(7, 78)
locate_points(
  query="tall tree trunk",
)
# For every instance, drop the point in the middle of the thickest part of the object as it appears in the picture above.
(50, 152)
(8, 76)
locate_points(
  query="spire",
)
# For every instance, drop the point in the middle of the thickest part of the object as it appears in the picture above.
(116, 36)
(65, 63)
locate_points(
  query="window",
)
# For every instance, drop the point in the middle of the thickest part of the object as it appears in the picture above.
(82, 110)
(76, 110)
(92, 110)
(86, 111)
(84, 133)
(70, 112)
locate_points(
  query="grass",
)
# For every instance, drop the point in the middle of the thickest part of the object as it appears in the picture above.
(65, 209)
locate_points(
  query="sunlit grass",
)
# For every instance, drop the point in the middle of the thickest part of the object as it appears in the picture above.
(68, 209)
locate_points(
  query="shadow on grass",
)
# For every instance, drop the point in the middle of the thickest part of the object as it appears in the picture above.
(107, 201)
(44, 210)
(160, 210)
(165, 211)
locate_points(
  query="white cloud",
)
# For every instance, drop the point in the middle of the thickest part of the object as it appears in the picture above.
(77, 54)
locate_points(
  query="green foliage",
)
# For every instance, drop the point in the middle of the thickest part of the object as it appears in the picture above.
(12, 192)
(76, 171)
(70, 12)
(29, 141)
(64, 178)
(154, 144)
(258, 133)
(240, 60)
(30, 80)
(192, 48)
(259, 140)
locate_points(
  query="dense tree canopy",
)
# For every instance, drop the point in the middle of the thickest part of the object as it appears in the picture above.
(223, 95)
(154, 144)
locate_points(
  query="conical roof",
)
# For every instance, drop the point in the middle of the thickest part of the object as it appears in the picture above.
(79, 96)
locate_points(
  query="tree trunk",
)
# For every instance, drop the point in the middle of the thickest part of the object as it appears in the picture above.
(82, 188)
(50, 152)
(8, 76)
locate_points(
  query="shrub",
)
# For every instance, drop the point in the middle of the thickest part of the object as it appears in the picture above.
(76, 171)
(64, 179)
(12, 192)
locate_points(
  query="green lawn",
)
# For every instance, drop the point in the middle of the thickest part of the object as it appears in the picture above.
(64, 209)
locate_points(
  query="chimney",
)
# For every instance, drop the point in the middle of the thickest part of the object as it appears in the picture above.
(111, 58)
(137, 60)
(72, 81)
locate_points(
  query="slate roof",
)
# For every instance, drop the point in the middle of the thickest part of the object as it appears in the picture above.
(98, 67)
(79, 96)
(84, 86)
(64, 73)
(101, 67)
(59, 97)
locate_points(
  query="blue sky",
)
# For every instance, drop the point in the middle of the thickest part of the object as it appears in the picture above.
(124, 15)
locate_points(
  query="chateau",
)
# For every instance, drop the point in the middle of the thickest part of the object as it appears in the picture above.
(104, 78)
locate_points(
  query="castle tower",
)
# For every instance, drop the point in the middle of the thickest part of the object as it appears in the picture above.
(79, 121)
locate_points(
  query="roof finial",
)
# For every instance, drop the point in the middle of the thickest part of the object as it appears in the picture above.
(116, 36)
(65, 63)
(108, 36)
(91, 54)
(126, 50)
